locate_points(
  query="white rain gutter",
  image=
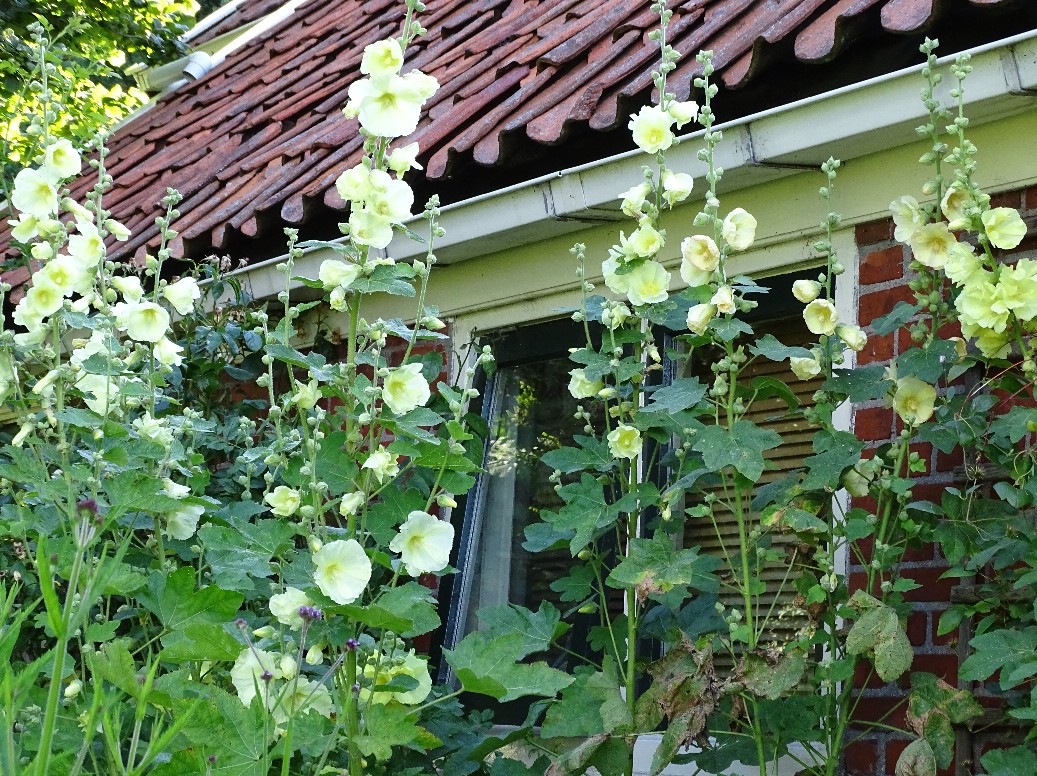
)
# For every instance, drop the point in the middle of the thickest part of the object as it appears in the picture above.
(846, 123)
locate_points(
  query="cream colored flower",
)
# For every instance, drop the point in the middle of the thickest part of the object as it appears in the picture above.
(315, 654)
(117, 230)
(991, 344)
(129, 286)
(283, 501)
(100, 393)
(914, 400)
(647, 283)
(616, 282)
(393, 203)
(931, 244)
(677, 186)
(633, 200)
(424, 543)
(683, 112)
(581, 387)
(821, 317)
(404, 159)
(853, 336)
(651, 129)
(67, 274)
(1004, 228)
(383, 672)
(724, 301)
(979, 305)
(41, 301)
(645, 241)
(805, 367)
(907, 216)
(699, 317)
(700, 258)
(301, 696)
(354, 185)
(142, 321)
(405, 388)
(382, 58)
(61, 157)
(24, 228)
(182, 523)
(368, 228)
(285, 606)
(307, 395)
(1017, 290)
(254, 670)
(35, 192)
(335, 273)
(351, 503)
(806, 291)
(157, 430)
(739, 229)
(182, 295)
(962, 264)
(382, 465)
(87, 246)
(342, 570)
(955, 199)
(388, 105)
(624, 442)
(167, 352)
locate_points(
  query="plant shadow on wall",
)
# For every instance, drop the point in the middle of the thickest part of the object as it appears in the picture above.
(202, 583)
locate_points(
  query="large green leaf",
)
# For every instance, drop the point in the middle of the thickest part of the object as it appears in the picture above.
(1010, 651)
(681, 394)
(539, 628)
(655, 567)
(223, 728)
(834, 451)
(741, 447)
(489, 665)
(934, 708)
(387, 725)
(592, 704)
(177, 604)
(408, 610)
(878, 632)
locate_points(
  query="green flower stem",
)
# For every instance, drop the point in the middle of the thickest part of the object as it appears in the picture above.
(352, 716)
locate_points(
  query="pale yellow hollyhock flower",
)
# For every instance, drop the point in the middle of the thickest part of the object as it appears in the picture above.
(424, 543)
(821, 317)
(40, 301)
(285, 607)
(142, 321)
(699, 259)
(105, 393)
(645, 241)
(650, 127)
(7, 376)
(283, 501)
(683, 112)
(633, 200)
(247, 673)
(853, 336)
(914, 400)
(991, 344)
(739, 229)
(315, 654)
(962, 264)
(404, 159)
(87, 246)
(677, 186)
(624, 441)
(129, 286)
(1004, 228)
(354, 185)
(307, 395)
(699, 317)
(35, 192)
(953, 206)
(907, 216)
(724, 301)
(382, 58)
(63, 158)
(79, 213)
(368, 228)
(157, 430)
(1017, 290)
(581, 387)
(301, 696)
(393, 202)
(389, 105)
(68, 274)
(647, 283)
(931, 244)
(382, 464)
(805, 367)
(41, 251)
(182, 295)
(335, 273)
(425, 85)
(117, 230)
(405, 388)
(168, 353)
(856, 484)
(351, 503)
(412, 666)
(183, 522)
(617, 283)
(342, 570)
(978, 303)
(24, 228)
(806, 291)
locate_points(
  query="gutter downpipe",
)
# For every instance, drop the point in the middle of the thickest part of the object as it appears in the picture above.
(761, 140)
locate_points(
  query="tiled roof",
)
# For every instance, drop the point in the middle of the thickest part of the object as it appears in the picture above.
(258, 142)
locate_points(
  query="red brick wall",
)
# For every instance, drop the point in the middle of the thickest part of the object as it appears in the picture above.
(883, 277)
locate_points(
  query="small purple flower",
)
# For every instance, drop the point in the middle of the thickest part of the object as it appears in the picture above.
(87, 505)
(241, 623)
(352, 644)
(310, 613)
(266, 676)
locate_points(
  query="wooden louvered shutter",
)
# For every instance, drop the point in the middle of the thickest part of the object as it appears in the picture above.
(786, 618)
